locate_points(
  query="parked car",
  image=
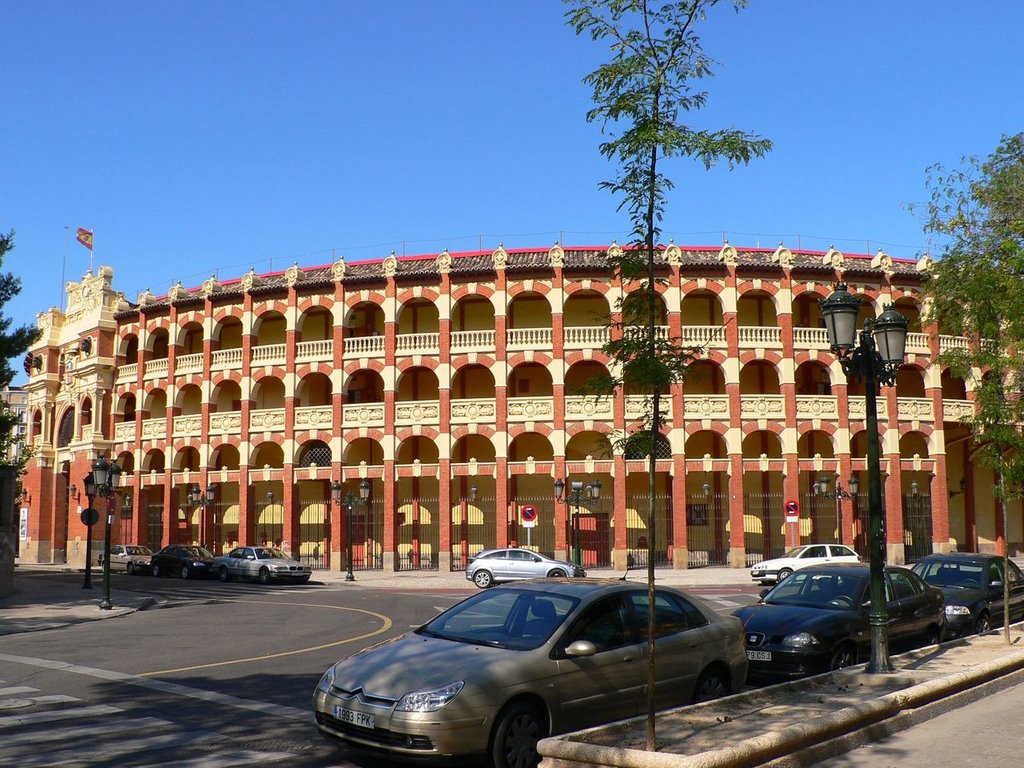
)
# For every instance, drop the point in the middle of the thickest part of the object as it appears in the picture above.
(972, 585)
(131, 558)
(265, 564)
(775, 570)
(506, 667)
(494, 566)
(182, 560)
(817, 619)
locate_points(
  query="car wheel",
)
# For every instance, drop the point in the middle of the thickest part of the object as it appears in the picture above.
(983, 624)
(185, 571)
(713, 684)
(264, 576)
(223, 574)
(843, 656)
(156, 569)
(557, 573)
(130, 569)
(514, 743)
(483, 579)
(785, 573)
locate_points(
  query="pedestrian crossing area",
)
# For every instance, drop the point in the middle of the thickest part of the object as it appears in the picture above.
(217, 591)
(39, 730)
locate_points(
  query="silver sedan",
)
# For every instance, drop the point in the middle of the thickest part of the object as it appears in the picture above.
(507, 667)
(494, 566)
(265, 564)
(131, 558)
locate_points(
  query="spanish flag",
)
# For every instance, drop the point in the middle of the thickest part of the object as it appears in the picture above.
(85, 237)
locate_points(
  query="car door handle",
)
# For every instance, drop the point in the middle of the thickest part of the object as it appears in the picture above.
(629, 658)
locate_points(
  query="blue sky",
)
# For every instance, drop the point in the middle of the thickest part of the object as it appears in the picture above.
(200, 137)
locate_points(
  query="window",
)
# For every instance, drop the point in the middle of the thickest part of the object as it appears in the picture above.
(839, 550)
(669, 614)
(903, 586)
(603, 624)
(814, 552)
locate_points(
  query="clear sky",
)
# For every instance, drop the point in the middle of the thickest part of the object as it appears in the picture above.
(205, 136)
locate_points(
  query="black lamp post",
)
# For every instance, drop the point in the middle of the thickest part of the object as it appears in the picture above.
(202, 500)
(102, 481)
(578, 496)
(349, 501)
(89, 518)
(874, 356)
(839, 494)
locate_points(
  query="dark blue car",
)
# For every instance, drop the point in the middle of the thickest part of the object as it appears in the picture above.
(972, 584)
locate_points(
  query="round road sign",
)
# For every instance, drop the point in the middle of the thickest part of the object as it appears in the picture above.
(528, 513)
(90, 516)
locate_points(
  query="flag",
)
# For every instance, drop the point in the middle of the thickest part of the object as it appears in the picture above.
(85, 237)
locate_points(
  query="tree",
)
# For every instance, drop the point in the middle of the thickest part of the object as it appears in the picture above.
(977, 212)
(639, 96)
(13, 343)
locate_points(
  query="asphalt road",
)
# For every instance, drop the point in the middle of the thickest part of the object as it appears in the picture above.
(222, 678)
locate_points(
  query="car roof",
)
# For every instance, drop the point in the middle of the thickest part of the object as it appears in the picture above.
(961, 557)
(845, 567)
(580, 587)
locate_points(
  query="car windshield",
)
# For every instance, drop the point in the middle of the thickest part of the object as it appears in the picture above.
(197, 552)
(137, 551)
(509, 618)
(832, 591)
(945, 573)
(795, 552)
(266, 553)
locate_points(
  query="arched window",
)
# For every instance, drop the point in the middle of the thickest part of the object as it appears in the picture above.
(66, 433)
(316, 453)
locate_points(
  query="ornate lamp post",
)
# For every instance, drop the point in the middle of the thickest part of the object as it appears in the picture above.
(839, 494)
(102, 481)
(349, 500)
(202, 499)
(578, 496)
(874, 356)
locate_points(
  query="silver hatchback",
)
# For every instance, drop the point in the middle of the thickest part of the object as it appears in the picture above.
(493, 566)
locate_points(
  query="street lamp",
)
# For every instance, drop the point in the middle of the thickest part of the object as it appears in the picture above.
(839, 494)
(578, 496)
(350, 500)
(102, 481)
(202, 499)
(874, 356)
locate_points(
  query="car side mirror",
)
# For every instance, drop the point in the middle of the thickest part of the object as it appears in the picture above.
(250, 557)
(996, 583)
(581, 648)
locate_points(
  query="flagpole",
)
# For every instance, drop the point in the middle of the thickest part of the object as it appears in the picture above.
(63, 269)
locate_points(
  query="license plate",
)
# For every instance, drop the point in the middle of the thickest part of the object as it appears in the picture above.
(361, 719)
(759, 655)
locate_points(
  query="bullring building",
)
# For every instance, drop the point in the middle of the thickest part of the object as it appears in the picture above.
(438, 396)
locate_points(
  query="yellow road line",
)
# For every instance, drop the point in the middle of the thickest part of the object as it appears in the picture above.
(385, 621)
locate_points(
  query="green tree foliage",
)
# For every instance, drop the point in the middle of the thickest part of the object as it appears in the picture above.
(13, 345)
(640, 95)
(977, 213)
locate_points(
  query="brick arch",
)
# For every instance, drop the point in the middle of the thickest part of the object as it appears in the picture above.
(464, 430)
(578, 427)
(308, 301)
(355, 366)
(772, 427)
(464, 290)
(515, 430)
(818, 289)
(718, 357)
(406, 433)
(219, 377)
(222, 312)
(829, 428)
(353, 300)
(520, 358)
(751, 355)
(306, 369)
(813, 356)
(263, 306)
(536, 286)
(356, 433)
(275, 372)
(572, 287)
(463, 360)
(403, 365)
(925, 430)
(693, 284)
(586, 356)
(717, 427)
(406, 294)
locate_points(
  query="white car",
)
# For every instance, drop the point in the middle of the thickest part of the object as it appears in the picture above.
(774, 571)
(265, 564)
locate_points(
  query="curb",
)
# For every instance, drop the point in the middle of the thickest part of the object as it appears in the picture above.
(559, 752)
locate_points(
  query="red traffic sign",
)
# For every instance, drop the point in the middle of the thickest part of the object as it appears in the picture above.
(792, 511)
(528, 512)
(90, 516)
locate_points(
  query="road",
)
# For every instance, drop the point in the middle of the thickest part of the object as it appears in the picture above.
(223, 678)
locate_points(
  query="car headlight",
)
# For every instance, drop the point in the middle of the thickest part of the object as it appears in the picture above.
(429, 701)
(326, 681)
(958, 610)
(198, 565)
(800, 640)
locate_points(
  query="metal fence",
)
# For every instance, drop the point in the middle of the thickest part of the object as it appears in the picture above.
(764, 533)
(707, 527)
(417, 535)
(313, 537)
(539, 537)
(154, 526)
(473, 528)
(638, 537)
(917, 527)
(818, 519)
